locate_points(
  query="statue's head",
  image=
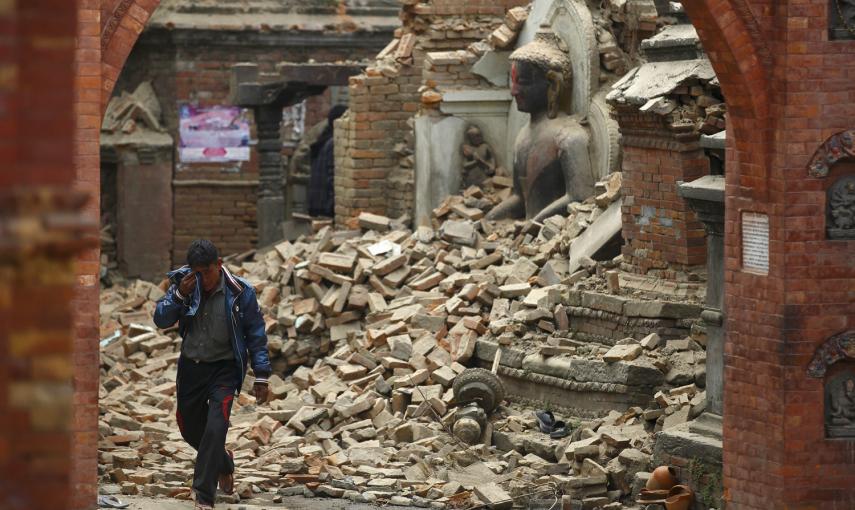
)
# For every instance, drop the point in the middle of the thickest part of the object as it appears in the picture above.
(541, 74)
(474, 135)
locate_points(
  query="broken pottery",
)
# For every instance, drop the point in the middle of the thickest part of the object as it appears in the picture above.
(663, 478)
(680, 498)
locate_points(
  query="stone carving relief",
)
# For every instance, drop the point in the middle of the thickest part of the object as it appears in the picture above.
(840, 405)
(842, 19)
(479, 159)
(113, 22)
(836, 148)
(839, 392)
(841, 209)
(840, 217)
(836, 348)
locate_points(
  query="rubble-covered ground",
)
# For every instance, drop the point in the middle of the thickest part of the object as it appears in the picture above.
(368, 329)
(288, 503)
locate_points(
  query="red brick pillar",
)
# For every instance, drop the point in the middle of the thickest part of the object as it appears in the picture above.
(661, 232)
(788, 89)
(87, 110)
(41, 230)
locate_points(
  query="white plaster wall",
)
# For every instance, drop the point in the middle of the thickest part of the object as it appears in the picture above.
(438, 162)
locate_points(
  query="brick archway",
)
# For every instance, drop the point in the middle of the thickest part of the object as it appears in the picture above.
(122, 21)
(739, 53)
(787, 90)
(106, 33)
(782, 78)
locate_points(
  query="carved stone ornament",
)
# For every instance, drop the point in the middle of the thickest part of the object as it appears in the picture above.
(841, 209)
(479, 159)
(113, 22)
(842, 19)
(840, 405)
(836, 348)
(836, 148)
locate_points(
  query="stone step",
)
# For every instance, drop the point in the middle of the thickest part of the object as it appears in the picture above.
(708, 425)
(587, 387)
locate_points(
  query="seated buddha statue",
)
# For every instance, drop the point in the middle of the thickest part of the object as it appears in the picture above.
(552, 163)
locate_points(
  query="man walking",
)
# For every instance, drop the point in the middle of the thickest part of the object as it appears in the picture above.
(222, 329)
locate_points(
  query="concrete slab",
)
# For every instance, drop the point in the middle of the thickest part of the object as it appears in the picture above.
(494, 67)
(656, 79)
(603, 230)
(438, 162)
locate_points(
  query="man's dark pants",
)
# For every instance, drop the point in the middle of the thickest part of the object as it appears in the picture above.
(205, 394)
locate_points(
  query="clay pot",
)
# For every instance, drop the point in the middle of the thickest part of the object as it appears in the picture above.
(663, 478)
(680, 498)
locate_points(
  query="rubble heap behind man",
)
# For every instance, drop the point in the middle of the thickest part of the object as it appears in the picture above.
(552, 163)
(222, 329)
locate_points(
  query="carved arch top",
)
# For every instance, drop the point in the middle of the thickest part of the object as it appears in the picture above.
(838, 147)
(734, 42)
(836, 348)
(113, 22)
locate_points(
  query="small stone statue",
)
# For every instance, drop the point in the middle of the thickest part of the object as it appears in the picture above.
(842, 405)
(841, 204)
(847, 10)
(552, 163)
(479, 162)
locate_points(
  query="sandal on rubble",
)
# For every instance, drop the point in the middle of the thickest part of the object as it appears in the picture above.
(111, 502)
(560, 430)
(545, 421)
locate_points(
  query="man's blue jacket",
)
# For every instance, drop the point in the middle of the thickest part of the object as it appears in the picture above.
(246, 324)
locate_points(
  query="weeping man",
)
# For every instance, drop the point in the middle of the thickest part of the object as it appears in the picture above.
(222, 331)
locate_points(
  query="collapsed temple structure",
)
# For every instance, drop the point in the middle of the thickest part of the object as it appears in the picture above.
(604, 306)
(637, 214)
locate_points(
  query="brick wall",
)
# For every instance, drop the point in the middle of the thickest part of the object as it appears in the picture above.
(374, 143)
(368, 177)
(218, 201)
(661, 148)
(661, 232)
(468, 7)
(122, 21)
(453, 69)
(788, 88)
(225, 214)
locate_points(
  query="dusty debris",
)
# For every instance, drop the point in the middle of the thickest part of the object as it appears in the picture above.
(369, 330)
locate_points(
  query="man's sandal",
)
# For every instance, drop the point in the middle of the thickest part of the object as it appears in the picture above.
(107, 501)
(227, 481)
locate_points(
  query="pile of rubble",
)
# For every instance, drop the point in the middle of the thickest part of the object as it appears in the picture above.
(373, 326)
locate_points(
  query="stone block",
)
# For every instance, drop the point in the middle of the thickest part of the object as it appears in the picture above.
(623, 353)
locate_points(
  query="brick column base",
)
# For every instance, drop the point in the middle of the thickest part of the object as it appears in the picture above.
(661, 232)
